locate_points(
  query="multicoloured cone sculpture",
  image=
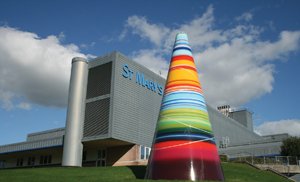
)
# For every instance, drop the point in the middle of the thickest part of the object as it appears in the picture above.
(183, 145)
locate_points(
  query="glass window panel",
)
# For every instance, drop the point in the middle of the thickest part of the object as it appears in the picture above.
(45, 159)
(142, 152)
(49, 159)
(41, 159)
(103, 154)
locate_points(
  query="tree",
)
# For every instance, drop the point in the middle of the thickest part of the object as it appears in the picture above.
(291, 146)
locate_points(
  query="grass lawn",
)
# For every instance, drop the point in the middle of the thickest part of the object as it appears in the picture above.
(235, 172)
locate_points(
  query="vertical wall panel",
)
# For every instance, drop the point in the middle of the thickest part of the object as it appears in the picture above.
(97, 118)
(96, 122)
(99, 80)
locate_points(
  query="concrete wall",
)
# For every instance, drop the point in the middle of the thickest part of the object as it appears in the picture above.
(124, 155)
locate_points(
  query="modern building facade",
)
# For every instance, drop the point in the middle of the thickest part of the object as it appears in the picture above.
(113, 108)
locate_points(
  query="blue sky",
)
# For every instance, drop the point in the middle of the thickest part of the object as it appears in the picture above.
(247, 53)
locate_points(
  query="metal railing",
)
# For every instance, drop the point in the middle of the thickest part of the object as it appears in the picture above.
(286, 165)
(271, 160)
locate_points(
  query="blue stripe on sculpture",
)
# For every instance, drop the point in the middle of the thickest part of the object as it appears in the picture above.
(183, 100)
(180, 95)
(178, 48)
(185, 137)
(184, 105)
(180, 130)
(181, 44)
(182, 52)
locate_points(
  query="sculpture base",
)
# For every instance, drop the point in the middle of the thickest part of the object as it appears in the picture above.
(185, 160)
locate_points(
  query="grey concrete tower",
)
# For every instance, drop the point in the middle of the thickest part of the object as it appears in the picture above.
(72, 150)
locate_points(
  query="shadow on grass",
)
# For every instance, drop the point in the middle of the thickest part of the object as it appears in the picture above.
(138, 171)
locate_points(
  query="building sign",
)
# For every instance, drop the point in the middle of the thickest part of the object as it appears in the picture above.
(140, 79)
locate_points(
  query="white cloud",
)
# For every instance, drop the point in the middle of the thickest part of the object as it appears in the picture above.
(152, 60)
(87, 46)
(200, 31)
(140, 26)
(24, 105)
(247, 16)
(5, 98)
(34, 69)
(291, 127)
(231, 61)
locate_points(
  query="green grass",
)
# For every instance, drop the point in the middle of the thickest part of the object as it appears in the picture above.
(234, 172)
(238, 172)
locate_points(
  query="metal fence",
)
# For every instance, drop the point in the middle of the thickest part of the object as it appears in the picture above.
(281, 160)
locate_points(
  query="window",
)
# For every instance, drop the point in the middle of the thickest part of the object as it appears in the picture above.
(49, 159)
(101, 154)
(42, 160)
(2, 164)
(46, 159)
(20, 162)
(224, 142)
(84, 156)
(147, 151)
(144, 152)
(101, 158)
(30, 161)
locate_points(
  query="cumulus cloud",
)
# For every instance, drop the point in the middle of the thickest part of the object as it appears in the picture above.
(5, 99)
(24, 105)
(34, 69)
(247, 16)
(152, 60)
(291, 127)
(230, 61)
(141, 27)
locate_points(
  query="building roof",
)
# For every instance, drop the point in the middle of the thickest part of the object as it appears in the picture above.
(39, 140)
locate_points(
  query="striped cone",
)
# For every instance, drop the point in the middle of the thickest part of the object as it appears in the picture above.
(183, 146)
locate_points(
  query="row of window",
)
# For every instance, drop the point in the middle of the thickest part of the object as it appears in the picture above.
(20, 162)
(101, 157)
(44, 159)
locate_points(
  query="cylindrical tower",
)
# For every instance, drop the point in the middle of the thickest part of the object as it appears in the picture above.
(72, 150)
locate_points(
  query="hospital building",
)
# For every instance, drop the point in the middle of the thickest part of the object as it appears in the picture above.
(113, 108)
